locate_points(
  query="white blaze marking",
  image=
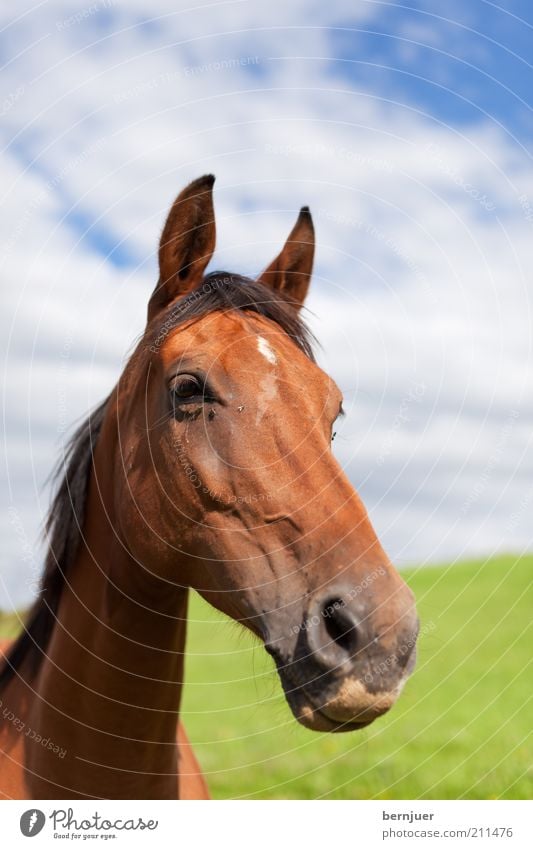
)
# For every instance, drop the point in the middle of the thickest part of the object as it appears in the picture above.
(266, 392)
(264, 348)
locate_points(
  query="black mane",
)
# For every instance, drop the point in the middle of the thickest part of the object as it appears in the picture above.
(221, 290)
(63, 531)
(217, 291)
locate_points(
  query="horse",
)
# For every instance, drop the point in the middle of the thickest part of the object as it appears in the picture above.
(208, 467)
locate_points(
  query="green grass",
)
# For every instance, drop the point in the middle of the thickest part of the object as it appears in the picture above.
(460, 728)
(9, 625)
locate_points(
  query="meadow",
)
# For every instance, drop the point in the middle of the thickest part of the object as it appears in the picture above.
(461, 729)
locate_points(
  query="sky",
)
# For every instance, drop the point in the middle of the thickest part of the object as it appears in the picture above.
(407, 129)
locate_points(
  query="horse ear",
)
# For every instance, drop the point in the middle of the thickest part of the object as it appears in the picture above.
(187, 243)
(290, 272)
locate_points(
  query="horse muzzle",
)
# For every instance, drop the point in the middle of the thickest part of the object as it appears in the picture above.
(346, 666)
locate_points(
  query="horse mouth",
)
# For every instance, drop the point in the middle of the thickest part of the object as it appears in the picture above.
(351, 708)
(316, 719)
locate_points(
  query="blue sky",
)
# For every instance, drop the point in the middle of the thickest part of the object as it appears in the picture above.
(406, 127)
(458, 62)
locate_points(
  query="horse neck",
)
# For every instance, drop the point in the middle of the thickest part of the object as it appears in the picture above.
(109, 689)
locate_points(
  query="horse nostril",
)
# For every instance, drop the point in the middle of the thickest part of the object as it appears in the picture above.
(333, 632)
(340, 624)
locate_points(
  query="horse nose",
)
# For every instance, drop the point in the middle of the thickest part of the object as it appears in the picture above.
(335, 633)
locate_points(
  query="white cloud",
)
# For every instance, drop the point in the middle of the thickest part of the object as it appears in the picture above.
(422, 264)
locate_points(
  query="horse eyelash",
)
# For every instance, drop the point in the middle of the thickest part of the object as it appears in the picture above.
(341, 413)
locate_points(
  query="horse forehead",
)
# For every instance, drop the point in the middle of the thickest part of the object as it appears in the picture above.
(239, 340)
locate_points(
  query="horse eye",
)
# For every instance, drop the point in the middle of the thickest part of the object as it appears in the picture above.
(184, 387)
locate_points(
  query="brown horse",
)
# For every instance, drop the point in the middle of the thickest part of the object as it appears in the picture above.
(208, 467)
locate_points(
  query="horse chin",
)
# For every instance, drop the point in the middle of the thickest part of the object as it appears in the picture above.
(316, 719)
(351, 708)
